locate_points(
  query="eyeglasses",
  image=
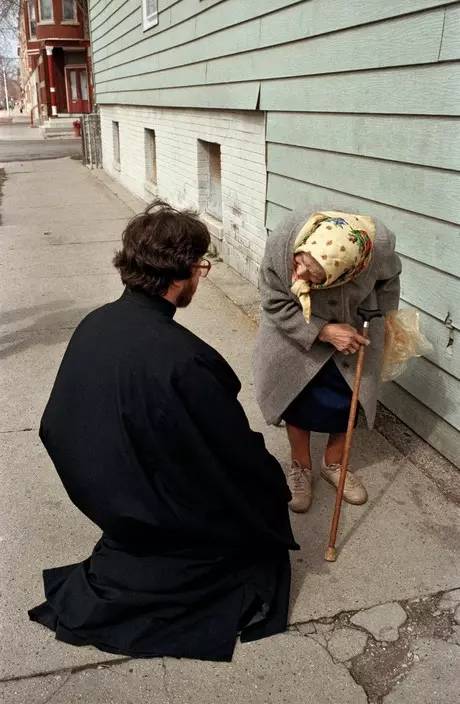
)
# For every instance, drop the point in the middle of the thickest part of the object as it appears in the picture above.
(204, 266)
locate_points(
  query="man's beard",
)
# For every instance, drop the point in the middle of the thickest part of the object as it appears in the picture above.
(186, 295)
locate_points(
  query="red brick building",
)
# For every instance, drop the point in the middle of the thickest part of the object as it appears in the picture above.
(55, 58)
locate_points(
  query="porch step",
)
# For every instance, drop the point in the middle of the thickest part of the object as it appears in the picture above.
(59, 127)
(54, 134)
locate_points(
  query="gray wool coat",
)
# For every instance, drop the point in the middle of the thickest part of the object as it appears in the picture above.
(288, 352)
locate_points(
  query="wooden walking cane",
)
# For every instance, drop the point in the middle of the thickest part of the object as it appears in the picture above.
(367, 316)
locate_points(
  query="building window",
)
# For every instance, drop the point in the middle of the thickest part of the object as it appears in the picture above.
(32, 19)
(46, 10)
(150, 158)
(209, 178)
(69, 10)
(150, 13)
(116, 145)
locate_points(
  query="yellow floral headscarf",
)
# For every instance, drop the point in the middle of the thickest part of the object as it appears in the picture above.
(341, 243)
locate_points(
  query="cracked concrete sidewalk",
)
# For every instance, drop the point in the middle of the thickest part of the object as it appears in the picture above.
(398, 553)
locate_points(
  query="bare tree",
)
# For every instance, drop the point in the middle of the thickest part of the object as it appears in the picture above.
(9, 25)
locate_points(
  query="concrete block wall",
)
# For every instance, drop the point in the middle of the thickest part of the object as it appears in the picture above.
(240, 236)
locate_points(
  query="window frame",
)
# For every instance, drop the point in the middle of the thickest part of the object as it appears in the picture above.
(151, 163)
(116, 145)
(149, 21)
(33, 4)
(72, 20)
(49, 20)
(210, 179)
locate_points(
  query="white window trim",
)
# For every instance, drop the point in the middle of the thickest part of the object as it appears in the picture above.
(149, 21)
(74, 19)
(151, 185)
(116, 163)
(33, 37)
(41, 21)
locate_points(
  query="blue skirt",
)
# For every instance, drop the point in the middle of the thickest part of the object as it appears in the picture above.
(323, 406)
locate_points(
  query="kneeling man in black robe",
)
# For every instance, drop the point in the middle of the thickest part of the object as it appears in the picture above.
(147, 435)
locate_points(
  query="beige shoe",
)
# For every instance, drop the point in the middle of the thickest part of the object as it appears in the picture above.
(354, 491)
(299, 481)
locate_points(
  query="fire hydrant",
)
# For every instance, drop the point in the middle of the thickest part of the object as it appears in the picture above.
(77, 128)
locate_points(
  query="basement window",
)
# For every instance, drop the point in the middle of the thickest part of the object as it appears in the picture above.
(150, 160)
(116, 145)
(210, 178)
(149, 13)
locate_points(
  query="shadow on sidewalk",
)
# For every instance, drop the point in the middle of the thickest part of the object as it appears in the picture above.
(47, 330)
(15, 314)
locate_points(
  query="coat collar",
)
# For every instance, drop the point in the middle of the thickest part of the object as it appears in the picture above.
(157, 303)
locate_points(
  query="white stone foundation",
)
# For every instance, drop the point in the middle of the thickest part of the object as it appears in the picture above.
(239, 237)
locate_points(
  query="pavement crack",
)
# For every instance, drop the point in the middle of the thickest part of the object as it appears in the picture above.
(384, 664)
(58, 689)
(357, 682)
(165, 681)
(342, 665)
(347, 613)
(72, 670)
(18, 430)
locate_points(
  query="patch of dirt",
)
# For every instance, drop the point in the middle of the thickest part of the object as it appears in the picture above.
(384, 664)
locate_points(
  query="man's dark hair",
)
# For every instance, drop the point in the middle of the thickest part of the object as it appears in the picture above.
(159, 246)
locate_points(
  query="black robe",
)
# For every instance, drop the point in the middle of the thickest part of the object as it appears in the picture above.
(145, 430)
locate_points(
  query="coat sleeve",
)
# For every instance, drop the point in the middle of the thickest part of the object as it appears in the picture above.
(283, 311)
(388, 284)
(252, 476)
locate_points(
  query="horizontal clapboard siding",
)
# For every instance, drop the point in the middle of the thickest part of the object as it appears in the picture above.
(399, 91)
(241, 96)
(422, 190)
(265, 23)
(234, 42)
(431, 290)
(444, 355)
(362, 104)
(351, 50)
(185, 22)
(450, 48)
(434, 388)
(413, 140)
(435, 242)
(427, 423)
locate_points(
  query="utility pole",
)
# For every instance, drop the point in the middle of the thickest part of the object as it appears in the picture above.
(5, 83)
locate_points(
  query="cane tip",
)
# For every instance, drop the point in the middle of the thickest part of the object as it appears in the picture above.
(331, 555)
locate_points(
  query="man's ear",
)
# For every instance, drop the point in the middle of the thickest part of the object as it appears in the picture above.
(174, 289)
(176, 284)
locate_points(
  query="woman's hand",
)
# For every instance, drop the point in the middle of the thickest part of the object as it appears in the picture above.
(345, 338)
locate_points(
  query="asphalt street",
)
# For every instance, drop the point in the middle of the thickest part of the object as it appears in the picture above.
(31, 150)
(20, 142)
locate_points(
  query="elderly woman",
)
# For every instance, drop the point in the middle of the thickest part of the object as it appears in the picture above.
(320, 266)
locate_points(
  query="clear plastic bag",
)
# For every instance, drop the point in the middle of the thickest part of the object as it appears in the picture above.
(403, 340)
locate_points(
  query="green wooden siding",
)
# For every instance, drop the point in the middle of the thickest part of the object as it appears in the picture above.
(362, 100)
(416, 188)
(426, 90)
(398, 138)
